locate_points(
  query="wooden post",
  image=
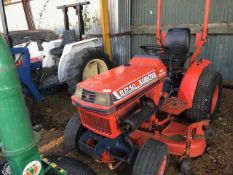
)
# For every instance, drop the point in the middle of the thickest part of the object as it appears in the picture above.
(104, 18)
(28, 14)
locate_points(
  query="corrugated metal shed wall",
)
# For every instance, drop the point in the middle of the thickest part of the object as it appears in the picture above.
(119, 13)
(219, 48)
(181, 11)
(119, 16)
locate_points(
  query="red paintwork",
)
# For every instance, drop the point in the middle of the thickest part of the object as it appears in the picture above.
(174, 106)
(158, 27)
(106, 157)
(35, 59)
(19, 63)
(121, 75)
(115, 81)
(206, 20)
(163, 166)
(188, 145)
(201, 40)
(189, 82)
(105, 125)
(32, 60)
(120, 81)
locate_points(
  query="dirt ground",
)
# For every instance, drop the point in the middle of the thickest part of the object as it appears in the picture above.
(54, 113)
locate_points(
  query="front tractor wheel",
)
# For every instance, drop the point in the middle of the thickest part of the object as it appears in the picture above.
(152, 159)
(73, 132)
(86, 64)
(207, 97)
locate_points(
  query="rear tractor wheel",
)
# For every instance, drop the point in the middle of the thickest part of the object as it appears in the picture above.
(86, 64)
(152, 159)
(207, 97)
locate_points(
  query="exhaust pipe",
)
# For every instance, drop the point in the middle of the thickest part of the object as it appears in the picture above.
(136, 119)
(18, 142)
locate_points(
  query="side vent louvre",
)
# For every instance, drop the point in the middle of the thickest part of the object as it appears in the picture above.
(88, 96)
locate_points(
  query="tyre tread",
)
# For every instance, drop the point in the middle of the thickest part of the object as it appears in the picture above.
(78, 62)
(149, 157)
(71, 131)
(201, 108)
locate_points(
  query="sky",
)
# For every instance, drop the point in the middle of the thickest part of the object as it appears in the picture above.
(52, 18)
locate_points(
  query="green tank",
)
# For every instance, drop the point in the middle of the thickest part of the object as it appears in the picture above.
(18, 142)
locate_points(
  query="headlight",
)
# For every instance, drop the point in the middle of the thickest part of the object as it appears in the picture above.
(78, 92)
(103, 99)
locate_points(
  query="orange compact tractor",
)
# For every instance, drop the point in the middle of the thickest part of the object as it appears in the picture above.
(142, 112)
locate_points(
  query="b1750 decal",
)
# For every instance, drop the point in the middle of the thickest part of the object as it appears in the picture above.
(135, 85)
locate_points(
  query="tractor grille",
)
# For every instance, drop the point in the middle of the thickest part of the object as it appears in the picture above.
(95, 122)
(88, 96)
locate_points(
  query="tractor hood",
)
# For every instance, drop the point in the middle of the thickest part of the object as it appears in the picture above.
(125, 80)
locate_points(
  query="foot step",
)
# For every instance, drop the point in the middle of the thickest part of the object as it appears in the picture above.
(174, 106)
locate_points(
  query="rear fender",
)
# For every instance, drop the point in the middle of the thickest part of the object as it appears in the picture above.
(189, 82)
(48, 60)
(68, 53)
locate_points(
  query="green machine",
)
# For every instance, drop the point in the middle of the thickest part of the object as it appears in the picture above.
(18, 142)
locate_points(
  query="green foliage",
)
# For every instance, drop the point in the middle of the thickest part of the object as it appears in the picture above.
(88, 20)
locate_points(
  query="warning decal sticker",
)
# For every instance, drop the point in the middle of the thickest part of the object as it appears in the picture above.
(135, 85)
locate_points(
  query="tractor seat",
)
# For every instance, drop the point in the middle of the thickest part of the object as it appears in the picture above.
(177, 41)
(57, 52)
(68, 37)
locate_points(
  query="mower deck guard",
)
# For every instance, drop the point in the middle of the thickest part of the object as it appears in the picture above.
(182, 140)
